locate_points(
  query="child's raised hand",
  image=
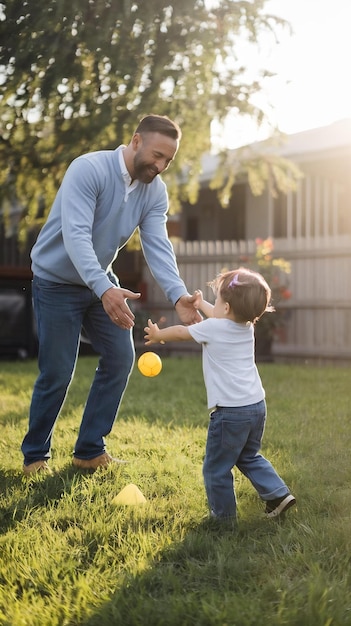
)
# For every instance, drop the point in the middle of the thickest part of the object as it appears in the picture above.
(150, 333)
(198, 298)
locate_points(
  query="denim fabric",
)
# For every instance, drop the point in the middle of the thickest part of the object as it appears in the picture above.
(61, 310)
(234, 439)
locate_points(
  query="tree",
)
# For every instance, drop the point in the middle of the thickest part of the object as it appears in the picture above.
(77, 75)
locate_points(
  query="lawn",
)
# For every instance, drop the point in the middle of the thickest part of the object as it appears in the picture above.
(69, 557)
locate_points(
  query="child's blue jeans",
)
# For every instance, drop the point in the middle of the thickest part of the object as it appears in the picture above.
(234, 439)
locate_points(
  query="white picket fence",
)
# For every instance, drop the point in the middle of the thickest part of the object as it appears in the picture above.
(319, 311)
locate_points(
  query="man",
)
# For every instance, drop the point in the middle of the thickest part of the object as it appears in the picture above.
(104, 196)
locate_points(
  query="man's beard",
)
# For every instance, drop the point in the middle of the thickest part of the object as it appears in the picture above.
(144, 171)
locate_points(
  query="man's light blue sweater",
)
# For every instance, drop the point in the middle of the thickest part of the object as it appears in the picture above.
(92, 217)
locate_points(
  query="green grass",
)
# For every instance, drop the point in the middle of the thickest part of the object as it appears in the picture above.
(68, 557)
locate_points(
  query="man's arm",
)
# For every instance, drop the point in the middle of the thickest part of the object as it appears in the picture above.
(160, 257)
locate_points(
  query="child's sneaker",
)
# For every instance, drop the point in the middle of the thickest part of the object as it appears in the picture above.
(276, 507)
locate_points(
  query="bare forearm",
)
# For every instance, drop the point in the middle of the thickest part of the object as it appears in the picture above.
(206, 308)
(163, 335)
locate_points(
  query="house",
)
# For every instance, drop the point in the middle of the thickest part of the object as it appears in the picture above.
(319, 207)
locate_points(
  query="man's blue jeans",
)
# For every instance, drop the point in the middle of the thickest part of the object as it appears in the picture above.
(234, 439)
(61, 311)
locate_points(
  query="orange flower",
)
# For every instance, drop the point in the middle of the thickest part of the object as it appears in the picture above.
(286, 294)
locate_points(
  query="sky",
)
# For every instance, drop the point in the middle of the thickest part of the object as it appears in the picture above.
(313, 83)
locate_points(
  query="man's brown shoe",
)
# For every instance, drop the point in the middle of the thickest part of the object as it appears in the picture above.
(36, 468)
(103, 460)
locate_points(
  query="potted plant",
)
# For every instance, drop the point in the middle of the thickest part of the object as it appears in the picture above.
(276, 272)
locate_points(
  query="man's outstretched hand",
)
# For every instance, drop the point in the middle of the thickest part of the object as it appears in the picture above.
(186, 310)
(114, 301)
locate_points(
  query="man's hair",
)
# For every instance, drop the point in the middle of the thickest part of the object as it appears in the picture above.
(159, 124)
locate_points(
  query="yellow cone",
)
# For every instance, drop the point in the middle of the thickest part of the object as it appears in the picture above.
(130, 494)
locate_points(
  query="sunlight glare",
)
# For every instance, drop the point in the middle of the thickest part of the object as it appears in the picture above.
(311, 87)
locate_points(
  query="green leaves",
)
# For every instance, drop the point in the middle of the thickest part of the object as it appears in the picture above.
(77, 76)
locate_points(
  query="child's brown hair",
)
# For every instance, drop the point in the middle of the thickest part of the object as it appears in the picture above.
(246, 291)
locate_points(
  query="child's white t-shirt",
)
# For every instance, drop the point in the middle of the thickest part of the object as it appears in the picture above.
(228, 360)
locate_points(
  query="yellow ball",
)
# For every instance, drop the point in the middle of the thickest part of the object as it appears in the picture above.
(149, 364)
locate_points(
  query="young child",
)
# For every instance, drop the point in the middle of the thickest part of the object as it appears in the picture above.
(234, 390)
